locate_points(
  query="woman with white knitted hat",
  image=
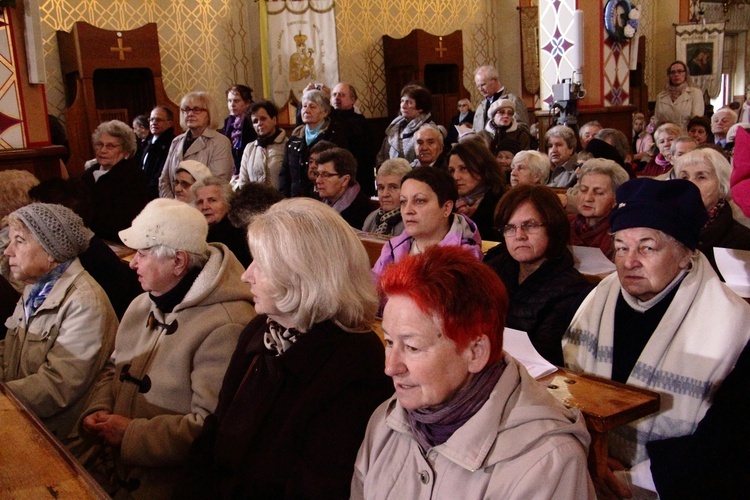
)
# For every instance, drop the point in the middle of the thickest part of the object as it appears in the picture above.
(63, 328)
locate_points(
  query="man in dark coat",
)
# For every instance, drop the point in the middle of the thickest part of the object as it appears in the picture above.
(157, 147)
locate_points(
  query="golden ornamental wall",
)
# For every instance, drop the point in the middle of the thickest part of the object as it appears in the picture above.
(204, 44)
(360, 25)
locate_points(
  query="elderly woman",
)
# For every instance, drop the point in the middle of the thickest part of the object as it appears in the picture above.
(316, 127)
(561, 146)
(14, 194)
(710, 171)
(188, 173)
(467, 421)
(480, 185)
(337, 186)
(262, 159)
(237, 126)
(171, 352)
(679, 101)
(399, 142)
(597, 183)
(200, 142)
(213, 196)
(118, 185)
(537, 267)
(387, 219)
(662, 162)
(502, 125)
(63, 328)
(530, 167)
(465, 116)
(428, 197)
(306, 373)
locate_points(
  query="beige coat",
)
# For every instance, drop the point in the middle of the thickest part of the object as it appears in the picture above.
(185, 369)
(51, 361)
(212, 149)
(521, 444)
(263, 164)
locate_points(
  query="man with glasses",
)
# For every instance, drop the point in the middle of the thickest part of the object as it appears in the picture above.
(488, 84)
(157, 146)
(172, 348)
(337, 186)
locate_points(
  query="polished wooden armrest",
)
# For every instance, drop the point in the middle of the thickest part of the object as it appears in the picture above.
(34, 463)
(124, 253)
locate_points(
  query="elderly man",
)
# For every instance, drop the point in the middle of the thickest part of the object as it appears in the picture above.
(664, 322)
(172, 349)
(588, 132)
(343, 98)
(721, 122)
(429, 147)
(335, 181)
(488, 83)
(157, 146)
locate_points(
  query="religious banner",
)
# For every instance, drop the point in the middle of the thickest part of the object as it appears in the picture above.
(300, 46)
(701, 46)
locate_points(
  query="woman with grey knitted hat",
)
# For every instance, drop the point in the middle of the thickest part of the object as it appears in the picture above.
(63, 328)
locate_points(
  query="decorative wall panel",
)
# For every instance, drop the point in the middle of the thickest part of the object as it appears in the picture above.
(204, 43)
(11, 127)
(555, 45)
(361, 24)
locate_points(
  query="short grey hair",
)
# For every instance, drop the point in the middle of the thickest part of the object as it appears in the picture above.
(617, 140)
(592, 123)
(434, 128)
(225, 189)
(489, 72)
(537, 162)
(680, 140)
(668, 128)
(617, 175)
(565, 133)
(195, 260)
(318, 97)
(317, 268)
(711, 159)
(394, 166)
(204, 100)
(118, 130)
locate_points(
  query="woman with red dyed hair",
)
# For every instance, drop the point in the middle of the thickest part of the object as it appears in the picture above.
(463, 408)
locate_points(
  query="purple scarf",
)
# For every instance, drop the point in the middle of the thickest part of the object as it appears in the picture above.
(237, 131)
(434, 426)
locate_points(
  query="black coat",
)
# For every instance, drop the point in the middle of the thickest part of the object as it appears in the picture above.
(712, 461)
(723, 232)
(154, 156)
(544, 304)
(116, 198)
(293, 428)
(248, 136)
(293, 179)
(453, 133)
(484, 217)
(233, 237)
(119, 282)
(358, 135)
(356, 213)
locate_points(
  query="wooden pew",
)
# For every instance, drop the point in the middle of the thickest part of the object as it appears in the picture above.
(34, 463)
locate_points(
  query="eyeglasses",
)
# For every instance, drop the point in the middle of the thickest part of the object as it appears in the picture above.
(325, 175)
(676, 71)
(529, 227)
(504, 112)
(186, 111)
(110, 146)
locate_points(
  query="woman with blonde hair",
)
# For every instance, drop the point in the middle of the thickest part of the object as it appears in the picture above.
(663, 138)
(200, 142)
(307, 372)
(680, 100)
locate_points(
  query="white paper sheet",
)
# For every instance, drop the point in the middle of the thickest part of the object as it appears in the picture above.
(517, 344)
(735, 268)
(591, 260)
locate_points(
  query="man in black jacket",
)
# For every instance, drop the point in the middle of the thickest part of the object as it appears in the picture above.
(157, 147)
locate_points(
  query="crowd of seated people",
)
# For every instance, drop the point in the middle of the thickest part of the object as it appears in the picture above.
(244, 364)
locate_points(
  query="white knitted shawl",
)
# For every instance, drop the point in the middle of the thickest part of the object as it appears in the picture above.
(691, 351)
